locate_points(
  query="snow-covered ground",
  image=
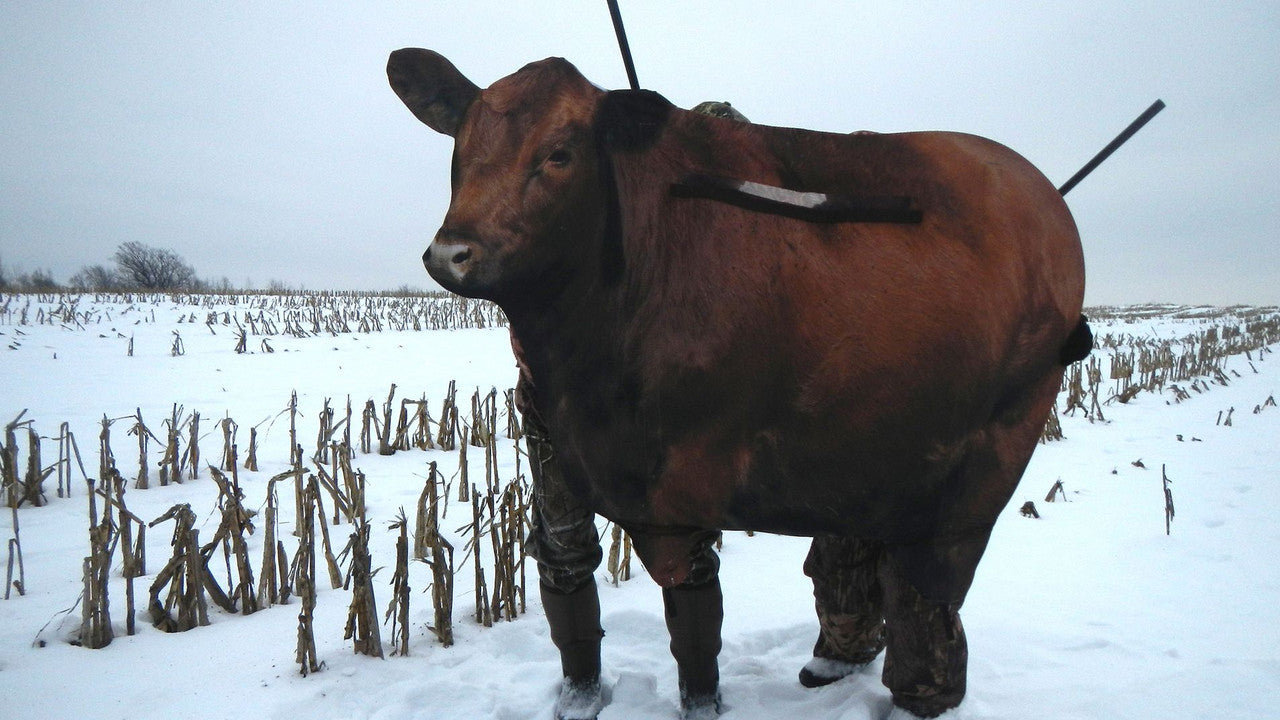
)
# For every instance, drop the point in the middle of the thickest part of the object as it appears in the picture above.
(1091, 611)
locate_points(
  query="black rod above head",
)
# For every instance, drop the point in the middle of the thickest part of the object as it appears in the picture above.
(622, 44)
(1111, 147)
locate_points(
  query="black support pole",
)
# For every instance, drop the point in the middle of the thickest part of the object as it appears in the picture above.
(622, 44)
(1111, 147)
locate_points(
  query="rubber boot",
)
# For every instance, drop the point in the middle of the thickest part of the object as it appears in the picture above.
(694, 616)
(574, 619)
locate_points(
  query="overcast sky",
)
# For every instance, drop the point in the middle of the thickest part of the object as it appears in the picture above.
(261, 141)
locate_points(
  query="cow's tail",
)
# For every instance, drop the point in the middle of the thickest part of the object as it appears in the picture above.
(1079, 343)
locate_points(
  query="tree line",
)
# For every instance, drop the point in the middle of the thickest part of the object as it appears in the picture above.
(135, 267)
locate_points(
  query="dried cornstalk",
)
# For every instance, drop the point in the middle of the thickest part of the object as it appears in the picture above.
(236, 521)
(401, 438)
(619, 556)
(506, 537)
(442, 590)
(1168, 500)
(9, 462)
(367, 418)
(15, 554)
(294, 448)
(193, 445)
(251, 460)
(1052, 427)
(490, 466)
(282, 566)
(484, 613)
(362, 617)
(171, 463)
(479, 428)
(298, 495)
(229, 428)
(1055, 491)
(303, 574)
(140, 429)
(427, 537)
(341, 503)
(422, 436)
(346, 426)
(271, 576)
(425, 526)
(513, 418)
(464, 484)
(385, 445)
(398, 608)
(1073, 382)
(64, 461)
(335, 574)
(133, 553)
(520, 528)
(324, 433)
(95, 627)
(446, 438)
(354, 482)
(1094, 413)
(33, 484)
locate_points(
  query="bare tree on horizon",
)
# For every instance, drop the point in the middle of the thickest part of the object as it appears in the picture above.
(153, 268)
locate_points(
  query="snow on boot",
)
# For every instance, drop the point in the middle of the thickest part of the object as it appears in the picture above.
(574, 621)
(705, 707)
(822, 671)
(579, 700)
(694, 615)
(901, 713)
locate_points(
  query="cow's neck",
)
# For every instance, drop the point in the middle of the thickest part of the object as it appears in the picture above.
(568, 334)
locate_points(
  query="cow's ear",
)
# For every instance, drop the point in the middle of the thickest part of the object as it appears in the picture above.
(632, 119)
(431, 87)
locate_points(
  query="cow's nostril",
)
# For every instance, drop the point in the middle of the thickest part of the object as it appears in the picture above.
(462, 256)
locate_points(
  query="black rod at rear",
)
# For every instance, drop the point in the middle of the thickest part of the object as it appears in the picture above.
(1111, 147)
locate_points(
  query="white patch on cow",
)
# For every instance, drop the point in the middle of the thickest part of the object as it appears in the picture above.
(782, 195)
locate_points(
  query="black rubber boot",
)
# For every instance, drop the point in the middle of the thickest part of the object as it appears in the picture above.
(694, 616)
(574, 619)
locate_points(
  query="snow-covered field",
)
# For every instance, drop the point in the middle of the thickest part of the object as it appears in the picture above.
(1090, 611)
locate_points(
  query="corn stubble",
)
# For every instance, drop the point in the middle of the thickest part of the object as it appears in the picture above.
(498, 508)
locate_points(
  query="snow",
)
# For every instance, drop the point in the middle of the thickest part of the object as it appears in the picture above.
(1090, 611)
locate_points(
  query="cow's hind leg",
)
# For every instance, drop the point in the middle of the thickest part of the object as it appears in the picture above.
(925, 583)
(847, 597)
(925, 664)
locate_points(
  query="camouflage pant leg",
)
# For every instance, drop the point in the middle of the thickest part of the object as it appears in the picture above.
(925, 666)
(563, 537)
(847, 596)
(704, 563)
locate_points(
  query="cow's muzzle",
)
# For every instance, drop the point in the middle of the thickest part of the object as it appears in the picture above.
(449, 262)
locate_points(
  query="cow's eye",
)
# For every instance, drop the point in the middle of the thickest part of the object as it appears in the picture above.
(559, 158)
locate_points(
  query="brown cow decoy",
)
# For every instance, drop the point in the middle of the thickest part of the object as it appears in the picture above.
(723, 325)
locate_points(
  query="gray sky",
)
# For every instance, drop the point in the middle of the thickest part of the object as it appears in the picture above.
(261, 141)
